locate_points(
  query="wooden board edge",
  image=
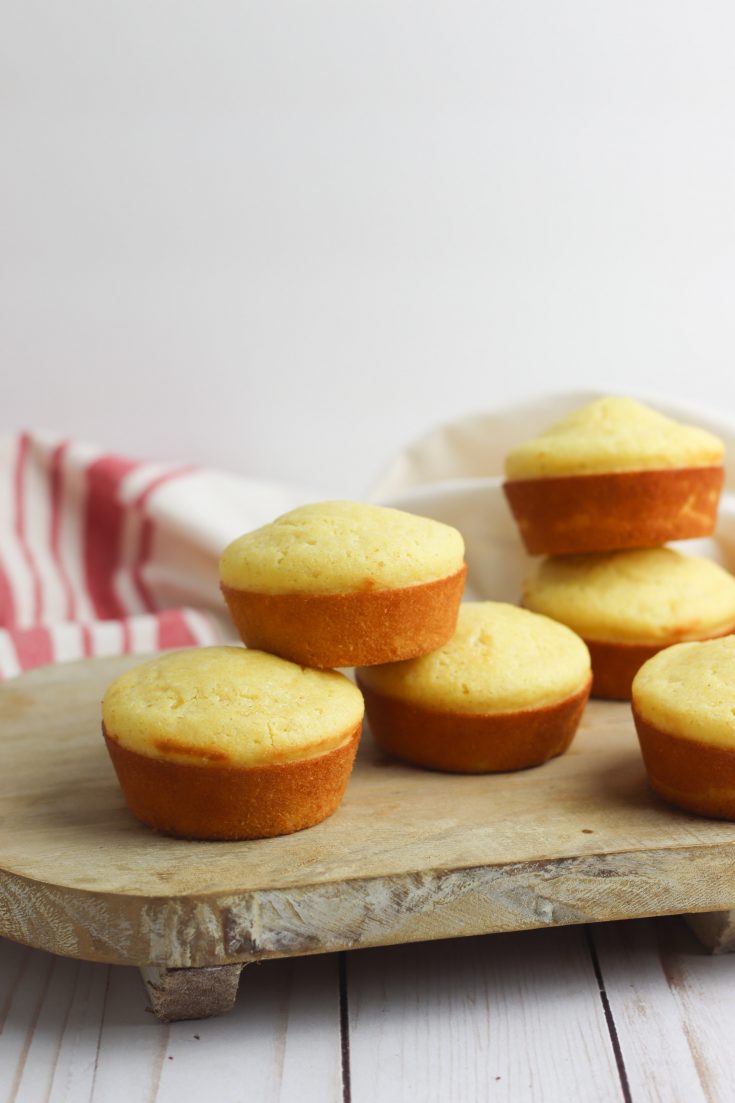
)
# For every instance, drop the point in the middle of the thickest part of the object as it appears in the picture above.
(221, 929)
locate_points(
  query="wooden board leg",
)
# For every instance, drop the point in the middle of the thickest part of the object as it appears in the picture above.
(715, 930)
(191, 993)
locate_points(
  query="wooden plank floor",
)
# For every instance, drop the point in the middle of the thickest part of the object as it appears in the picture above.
(621, 1011)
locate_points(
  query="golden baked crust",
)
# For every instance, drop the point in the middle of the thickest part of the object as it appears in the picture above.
(613, 434)
(651, 596)
(687, 690)
(229, 706)
(460, 742)
(690, 773)
(630, 509)
(341, 547)
(349, 629)
(500, 659)
(628, 605)
(197, 801)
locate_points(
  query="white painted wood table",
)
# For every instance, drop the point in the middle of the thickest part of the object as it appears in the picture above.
(630, 1010)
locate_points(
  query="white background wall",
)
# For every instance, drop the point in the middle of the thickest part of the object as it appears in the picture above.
(284, 238)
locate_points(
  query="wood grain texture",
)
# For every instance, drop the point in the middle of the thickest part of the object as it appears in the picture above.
(673, 1010)
(74, 1031)
(440, 1021)
(410, 855)
(49, 1026)
(702, 987)
(508, 1018)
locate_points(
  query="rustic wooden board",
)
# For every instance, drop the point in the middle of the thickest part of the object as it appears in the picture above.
(411, 855)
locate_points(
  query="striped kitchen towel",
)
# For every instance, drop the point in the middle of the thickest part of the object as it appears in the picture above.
(103, 555)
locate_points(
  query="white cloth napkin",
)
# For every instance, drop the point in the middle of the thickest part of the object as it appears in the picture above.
(102, 554)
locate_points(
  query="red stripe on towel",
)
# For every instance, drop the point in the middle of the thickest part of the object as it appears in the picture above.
(103, 529)
(7, 604)
(173, 630)
(34, 647)
(87, 640)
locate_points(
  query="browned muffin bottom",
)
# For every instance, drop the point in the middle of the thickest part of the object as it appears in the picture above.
(472, 743)
(359, 628)
(211, 801)
(570, 514)
(683, 707)
(693, 774)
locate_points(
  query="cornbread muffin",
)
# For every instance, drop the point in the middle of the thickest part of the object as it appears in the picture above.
(614, 474)
(627, 605)
(345, 584)
(684, 710)
(506, 692)
(226, 743)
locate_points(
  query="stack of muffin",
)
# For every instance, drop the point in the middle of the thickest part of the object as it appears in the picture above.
(257, 741)
(476, 688)
(234, 742)
(599, 492)
(231, 742)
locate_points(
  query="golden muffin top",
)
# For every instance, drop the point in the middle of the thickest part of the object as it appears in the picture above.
(644, 596)
(613, 434)
(228, 706)
(500, 659)
(689, 690)
(338, 547)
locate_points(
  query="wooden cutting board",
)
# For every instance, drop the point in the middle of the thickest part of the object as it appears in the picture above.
(410, 855)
